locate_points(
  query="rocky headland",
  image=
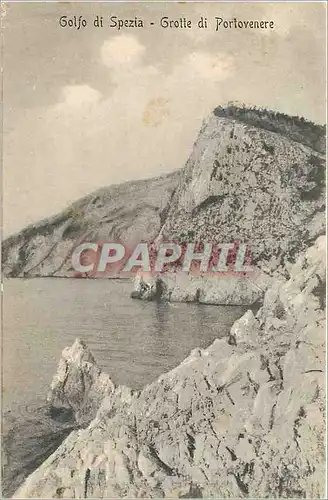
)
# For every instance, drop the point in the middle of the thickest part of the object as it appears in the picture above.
(243, 418)
(253, 175)
(246, 416)
(128, 212)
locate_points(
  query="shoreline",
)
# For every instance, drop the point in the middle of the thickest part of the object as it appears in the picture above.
(236, 418)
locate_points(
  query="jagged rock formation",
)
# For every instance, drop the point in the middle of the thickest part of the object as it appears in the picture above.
(243, 418)
(254, 176)
(79, 385)
(129, 212)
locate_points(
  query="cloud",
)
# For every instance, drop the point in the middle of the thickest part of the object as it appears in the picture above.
(144, 127)
(122, 50)
(144, 124)
(159, 91)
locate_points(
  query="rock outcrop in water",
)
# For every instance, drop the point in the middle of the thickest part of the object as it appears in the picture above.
(243, 418)
(216, 290)
(79, 385)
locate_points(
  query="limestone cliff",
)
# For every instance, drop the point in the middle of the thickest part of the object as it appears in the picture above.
(252, 184)
(243, 418)
(249, 178)
(253, 175)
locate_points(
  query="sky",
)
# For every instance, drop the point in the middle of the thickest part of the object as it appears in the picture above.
(87, 108)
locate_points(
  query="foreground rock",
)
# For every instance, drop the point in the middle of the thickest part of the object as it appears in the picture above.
(243, 418)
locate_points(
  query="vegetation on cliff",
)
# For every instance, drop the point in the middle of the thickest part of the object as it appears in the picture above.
(295, 127)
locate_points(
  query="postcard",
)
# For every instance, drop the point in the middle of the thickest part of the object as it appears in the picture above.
(163, 249)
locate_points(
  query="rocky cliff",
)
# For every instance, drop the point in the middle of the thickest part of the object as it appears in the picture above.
(243, 418)
(253, 175)
(129, 212)
(248, 183)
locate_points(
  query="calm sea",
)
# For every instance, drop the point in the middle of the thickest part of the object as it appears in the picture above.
(132, 340)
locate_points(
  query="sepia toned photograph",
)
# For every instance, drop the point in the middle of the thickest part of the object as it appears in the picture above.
(163, 315)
